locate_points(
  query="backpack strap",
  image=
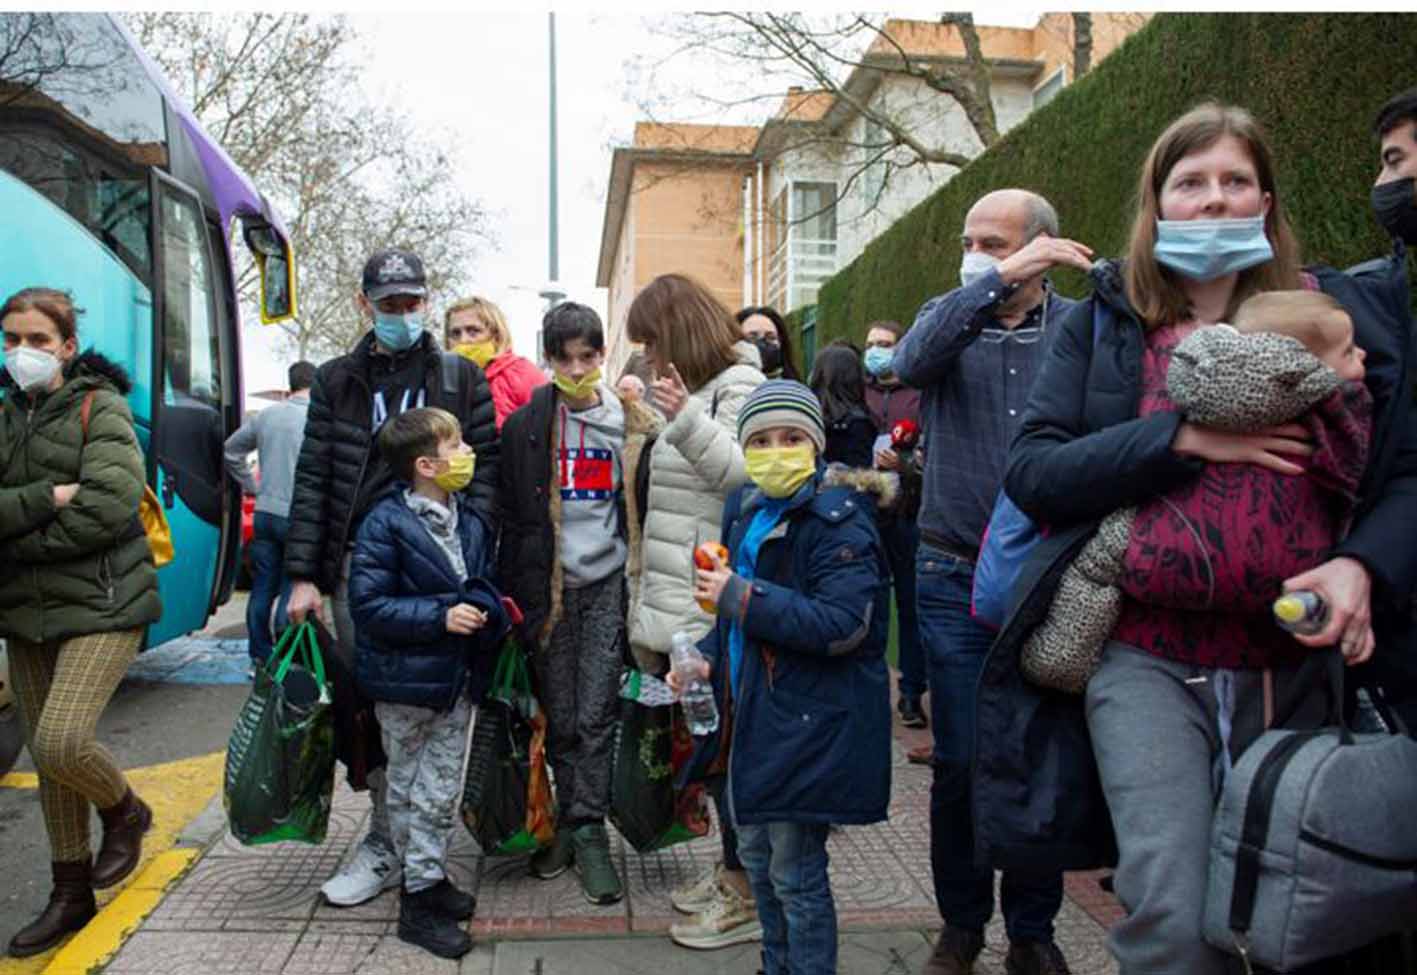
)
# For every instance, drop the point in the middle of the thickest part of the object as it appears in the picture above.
(85, 409)
(451, 373)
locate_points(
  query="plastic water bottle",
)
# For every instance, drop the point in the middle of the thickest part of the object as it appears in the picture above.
(697, 697)
(1302, 611)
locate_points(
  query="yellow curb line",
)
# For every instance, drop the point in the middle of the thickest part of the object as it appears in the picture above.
(20, 780)
(104, 935)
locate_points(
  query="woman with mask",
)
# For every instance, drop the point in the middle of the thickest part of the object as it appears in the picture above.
(78, 590)
(477, 330)
(764, 327)
(705, 371)
(1179, 693)
(840, 385)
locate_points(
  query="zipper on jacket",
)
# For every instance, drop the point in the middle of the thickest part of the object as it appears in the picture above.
(105, 576)
(1355, 856)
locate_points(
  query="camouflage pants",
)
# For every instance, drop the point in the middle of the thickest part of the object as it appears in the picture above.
(424, 780)
(579, 675)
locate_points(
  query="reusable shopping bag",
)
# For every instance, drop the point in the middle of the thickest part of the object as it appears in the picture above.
(652, 743)
(280, 760)
(507, 803)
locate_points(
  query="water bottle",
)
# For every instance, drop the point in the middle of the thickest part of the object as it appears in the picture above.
(1302, 611)
(697, 697)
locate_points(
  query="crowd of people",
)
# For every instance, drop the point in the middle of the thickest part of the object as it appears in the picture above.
(414, 482)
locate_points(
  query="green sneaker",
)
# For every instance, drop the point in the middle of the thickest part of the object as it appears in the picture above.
(552, 861)
(599, 881)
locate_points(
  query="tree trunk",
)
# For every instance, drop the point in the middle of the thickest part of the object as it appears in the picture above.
(975, 98)
(1082, 44)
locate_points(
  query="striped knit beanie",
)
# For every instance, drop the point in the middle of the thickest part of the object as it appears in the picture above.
(783, 403)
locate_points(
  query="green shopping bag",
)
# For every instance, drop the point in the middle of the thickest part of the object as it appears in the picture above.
(507, 803)
(280, 760)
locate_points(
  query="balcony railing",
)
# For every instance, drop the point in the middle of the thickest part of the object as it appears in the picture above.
(796, 271)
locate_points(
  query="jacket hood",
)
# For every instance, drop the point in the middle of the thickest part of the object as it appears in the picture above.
(101, 367)
(640, 419)
(1109, 285)
(885, 485)
(748, 354)
(509, 361)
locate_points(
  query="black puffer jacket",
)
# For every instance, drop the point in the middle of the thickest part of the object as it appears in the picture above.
(340, 473)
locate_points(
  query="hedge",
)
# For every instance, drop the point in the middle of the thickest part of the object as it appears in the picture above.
(1314, 81)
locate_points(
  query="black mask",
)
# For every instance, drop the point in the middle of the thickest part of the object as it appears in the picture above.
(1395, 206)
(771, 354)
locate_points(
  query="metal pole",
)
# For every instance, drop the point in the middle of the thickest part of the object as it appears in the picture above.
(555, 274)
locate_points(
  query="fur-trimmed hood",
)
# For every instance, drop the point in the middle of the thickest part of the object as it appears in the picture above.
(885, 485)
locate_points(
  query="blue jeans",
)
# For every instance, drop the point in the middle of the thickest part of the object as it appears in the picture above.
(268, 581)
(901, 538)
(787, 868)
(956, 646)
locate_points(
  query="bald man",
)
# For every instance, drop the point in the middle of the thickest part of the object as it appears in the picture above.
(973, 354)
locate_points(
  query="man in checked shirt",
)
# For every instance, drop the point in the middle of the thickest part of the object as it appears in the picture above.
(973, 353)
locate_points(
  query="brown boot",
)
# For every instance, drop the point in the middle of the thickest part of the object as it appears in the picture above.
(123, 827)
(70, 907)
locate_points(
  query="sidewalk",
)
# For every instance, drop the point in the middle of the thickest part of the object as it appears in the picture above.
(242, 909)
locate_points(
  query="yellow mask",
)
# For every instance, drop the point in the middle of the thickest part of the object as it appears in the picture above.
(780, 471)
(578, 390)
(458, 474)
(479, 352)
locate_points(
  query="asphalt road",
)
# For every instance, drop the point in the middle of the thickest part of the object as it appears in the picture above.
(169, 721)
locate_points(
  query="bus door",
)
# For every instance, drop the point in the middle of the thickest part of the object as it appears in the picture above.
(193, 363)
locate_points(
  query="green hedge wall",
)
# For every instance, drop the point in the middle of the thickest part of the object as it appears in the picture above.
(1314, 81)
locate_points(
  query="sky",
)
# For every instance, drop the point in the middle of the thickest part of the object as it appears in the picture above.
(480, 80)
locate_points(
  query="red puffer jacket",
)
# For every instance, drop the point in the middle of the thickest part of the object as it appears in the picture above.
(512, 378)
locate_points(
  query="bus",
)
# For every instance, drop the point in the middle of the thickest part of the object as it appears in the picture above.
(111, 190)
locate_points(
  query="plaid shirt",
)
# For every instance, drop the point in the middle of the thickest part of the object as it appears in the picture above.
(975, 377)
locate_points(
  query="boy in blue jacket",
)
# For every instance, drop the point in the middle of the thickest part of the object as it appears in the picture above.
(797, 663)
(428, 625)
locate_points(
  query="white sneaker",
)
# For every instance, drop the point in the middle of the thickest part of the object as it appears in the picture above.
(728, 920)
(369, 874)
(697, 894)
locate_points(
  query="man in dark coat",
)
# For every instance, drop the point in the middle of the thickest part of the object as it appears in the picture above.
(396, 366)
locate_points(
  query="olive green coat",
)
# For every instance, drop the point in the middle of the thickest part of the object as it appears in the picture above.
(84, 568)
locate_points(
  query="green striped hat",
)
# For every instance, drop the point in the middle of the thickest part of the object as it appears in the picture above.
(783, 403)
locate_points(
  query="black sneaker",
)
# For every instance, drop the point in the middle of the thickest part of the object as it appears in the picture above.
(954, 953)
(1035, 958)
(450, 901)
(910, 714)
(423, 925)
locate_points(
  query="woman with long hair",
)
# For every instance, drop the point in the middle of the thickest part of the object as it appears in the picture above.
(1180, 692)
(839, 381)
(476, 329)
(764, 327)
(705, 371)
(77, 592)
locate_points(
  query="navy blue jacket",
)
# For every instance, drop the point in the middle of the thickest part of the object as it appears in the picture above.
(401, 586)
(1081, 453)
(811, 713)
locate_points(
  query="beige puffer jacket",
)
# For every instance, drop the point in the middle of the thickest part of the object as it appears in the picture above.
(695, 463)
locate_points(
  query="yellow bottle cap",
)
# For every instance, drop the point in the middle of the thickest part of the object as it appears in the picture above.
(1289, 609)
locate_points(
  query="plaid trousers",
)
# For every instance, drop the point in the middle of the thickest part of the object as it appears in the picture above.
(62, 687)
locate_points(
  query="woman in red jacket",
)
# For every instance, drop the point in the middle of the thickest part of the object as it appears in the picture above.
(477, 330)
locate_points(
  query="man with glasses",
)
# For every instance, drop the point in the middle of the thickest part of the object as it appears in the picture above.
(973, 354)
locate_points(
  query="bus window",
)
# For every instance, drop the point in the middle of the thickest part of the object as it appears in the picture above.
(191, 340)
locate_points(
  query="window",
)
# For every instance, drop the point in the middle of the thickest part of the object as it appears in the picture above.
(873, 177)
(1044, 93)
(802, 243)
(190, 336)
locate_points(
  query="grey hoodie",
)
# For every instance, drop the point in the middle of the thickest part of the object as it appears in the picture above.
(442, 524)
(588, 448)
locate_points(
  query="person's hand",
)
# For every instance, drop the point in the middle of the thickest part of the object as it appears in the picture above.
(887, 460)
(709, 583)
(677, 681)
(1268, 448)
(1041, 254)
(305, 598)
(670, 393)
(465, 620)
(64, 493)
(1346, 587)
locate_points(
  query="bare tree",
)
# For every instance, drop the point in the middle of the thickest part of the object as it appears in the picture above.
(281, 93)
(1082, 44)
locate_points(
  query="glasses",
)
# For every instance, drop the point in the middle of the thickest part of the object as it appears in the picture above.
(1019, 336)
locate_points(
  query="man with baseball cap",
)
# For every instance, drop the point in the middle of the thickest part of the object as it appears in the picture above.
(396, 366)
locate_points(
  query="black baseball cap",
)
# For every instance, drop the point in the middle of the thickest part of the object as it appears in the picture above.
(394, 272)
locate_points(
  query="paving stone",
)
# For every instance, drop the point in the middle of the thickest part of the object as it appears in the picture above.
(330, 951)
(250, 894)
(193, 953)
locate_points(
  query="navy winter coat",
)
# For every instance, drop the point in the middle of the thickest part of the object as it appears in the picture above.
(1081, 453)
(811, 714)
(401, 586)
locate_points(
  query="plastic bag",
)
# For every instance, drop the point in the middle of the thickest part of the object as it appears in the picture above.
(507, 803)
(280, 760)
(652, 743)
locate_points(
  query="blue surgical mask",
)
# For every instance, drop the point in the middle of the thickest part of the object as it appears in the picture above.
(398, 332)
(975, 265)
(1206, 249)
(878, 360)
